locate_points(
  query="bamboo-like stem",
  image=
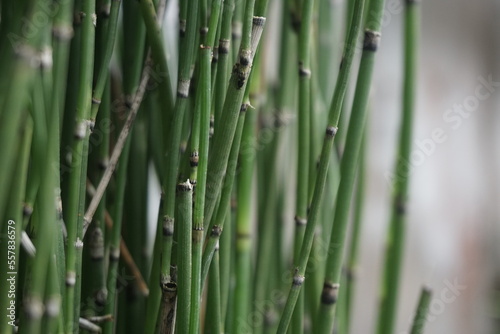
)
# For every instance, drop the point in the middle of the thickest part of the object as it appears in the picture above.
(102, 73)
(136, 227)
(96, 246)
(223, 136)
(115, 238)
(349, 165)
(21, 58)
(396, 233)
(303, 141)
(352, 259)
(331, 129)
(223, 60)
(155, 39)
(203, 107)
(53, 298)
(166, 316)
(211, 199)
(243, 223)
(184, 219)
(213, 320)
(419, 320)
(164, 231)
(225, 253)
(218, 222)
(268, 226)
(11, 234)
(76, 196)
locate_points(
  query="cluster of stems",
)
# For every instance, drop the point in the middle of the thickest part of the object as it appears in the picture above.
(92, 124)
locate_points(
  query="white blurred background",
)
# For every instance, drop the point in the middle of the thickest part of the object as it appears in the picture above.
(453, 233)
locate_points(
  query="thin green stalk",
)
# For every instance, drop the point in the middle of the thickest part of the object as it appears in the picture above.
(213, 319)
(225, 252)
(203, 107)
(184, 219)
(11, 234)
(163, 242)
(68, 113)
(268, 227)
(45, 235)
(218, 221)
(349, 165)
(212, 180)
(243, 224)
(331, 129)
(77, 182)
(352, 261)
(20, 58)
(223, 136)
(53, 298)
(223, 60)
(419, 320)
(61, 36)
(396, 233)
(329, 30)
(303, 141)
(109, 43)
(97, 275)
(136, 218)
(155, 40)
(115, 238)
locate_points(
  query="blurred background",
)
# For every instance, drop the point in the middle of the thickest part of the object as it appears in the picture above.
(453, 235)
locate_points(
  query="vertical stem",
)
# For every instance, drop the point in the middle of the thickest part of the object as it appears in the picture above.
(421, 312)
(396, 233)
(11, 233)
(115, 238)
(213, 320)
(78, 178)
(303, 157)
(331, 129)
(243, 224)
(352, 261)
(203, 107)
(184, 219)
(349, 165)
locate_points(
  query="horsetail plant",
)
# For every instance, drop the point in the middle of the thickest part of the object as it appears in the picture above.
(396, 233)
(331, 130)
(101, 112)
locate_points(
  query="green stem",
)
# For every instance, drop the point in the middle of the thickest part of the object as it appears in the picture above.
(114, 241)
(421, 312)
(331, 129)
(243, 223)
(303, 157)
(223, 136)
(396, 233)
(78, 177)
(11, 234)
(352, 261)
(185, 207)
(213, 319)
(349, 165)
(102, 73)
(203, 107)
